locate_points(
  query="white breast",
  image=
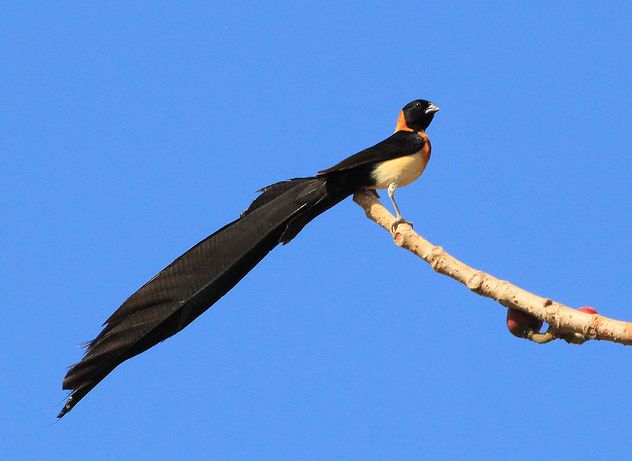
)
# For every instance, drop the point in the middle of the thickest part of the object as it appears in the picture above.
(400, 171)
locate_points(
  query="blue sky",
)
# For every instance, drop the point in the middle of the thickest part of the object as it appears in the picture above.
(131, 130)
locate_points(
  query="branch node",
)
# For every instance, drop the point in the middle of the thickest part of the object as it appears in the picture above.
(436, 258)
(476, 280)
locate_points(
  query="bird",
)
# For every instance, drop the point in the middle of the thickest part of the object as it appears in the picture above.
(197, 279)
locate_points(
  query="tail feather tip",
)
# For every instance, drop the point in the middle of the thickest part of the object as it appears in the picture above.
(67, 407)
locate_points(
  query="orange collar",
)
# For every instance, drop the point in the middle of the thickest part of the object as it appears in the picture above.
(401, 123)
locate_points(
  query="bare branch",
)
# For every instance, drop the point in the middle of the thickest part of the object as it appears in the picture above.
(564, 322)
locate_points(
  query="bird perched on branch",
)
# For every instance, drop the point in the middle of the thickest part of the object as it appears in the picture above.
(192, 283)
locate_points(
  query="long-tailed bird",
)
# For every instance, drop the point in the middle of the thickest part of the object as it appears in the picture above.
(192, 283)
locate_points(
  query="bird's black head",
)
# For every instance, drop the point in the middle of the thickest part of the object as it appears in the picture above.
(417, 115)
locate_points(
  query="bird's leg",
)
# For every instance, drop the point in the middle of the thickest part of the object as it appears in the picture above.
(399, 219)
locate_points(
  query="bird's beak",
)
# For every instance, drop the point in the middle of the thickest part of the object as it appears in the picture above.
(432, 108)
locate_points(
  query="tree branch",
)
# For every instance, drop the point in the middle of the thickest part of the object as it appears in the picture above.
(564, 322)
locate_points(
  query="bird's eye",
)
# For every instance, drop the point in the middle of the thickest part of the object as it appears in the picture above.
(417, 105)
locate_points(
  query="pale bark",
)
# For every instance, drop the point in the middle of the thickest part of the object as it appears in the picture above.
(564, 322)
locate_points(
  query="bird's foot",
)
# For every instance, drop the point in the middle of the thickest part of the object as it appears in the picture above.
(397, 222)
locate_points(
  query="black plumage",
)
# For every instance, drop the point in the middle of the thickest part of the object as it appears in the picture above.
(192, 283)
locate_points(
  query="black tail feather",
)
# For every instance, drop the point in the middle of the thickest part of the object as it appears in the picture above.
(196, 280)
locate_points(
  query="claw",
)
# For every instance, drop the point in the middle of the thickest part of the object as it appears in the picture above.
(399, 221)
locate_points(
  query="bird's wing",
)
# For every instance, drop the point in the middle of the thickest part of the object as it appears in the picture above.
(399, 144)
